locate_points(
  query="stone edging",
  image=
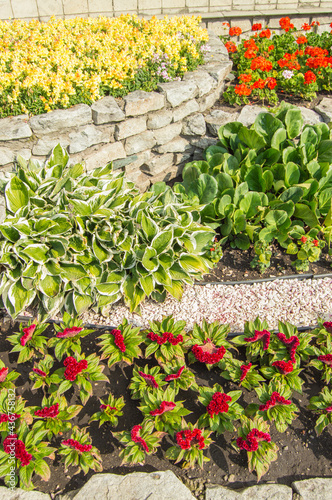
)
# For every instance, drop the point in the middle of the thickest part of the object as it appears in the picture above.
(148, 134)
(164, 485)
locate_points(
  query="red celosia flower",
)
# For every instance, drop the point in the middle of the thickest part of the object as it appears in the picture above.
(230, 46)
(276, 399)
(3, 373)
(27, 334)
(166, 337)
(119, 340)
(252, 439)
(292, 344)
(163, 408)
(245, 78)
(242, 89)
(218, 404)
(244, 369)
(327, 325)
(185, 439)
(256, 27)
(285, 24)
(235, 31)
(137, 439)
(149, 379)
(265, 34)
(104, 407)
(51, 412)
(69, 332)
(306, 27)
(259, 84)
(11, 443)
(261, 63)
(315, 242)
(326, 359)
(39, 372)
(328, 409)
(208, 353)
(74, 368)
(175, 375)
(301, 40)
(72, 443)
(4, 417)
(284, 366)
(263, 335)
(271, 83)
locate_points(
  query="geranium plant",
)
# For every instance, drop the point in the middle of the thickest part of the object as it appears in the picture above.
(255, 439)
(109, 411)
(121, 344)
(221, 408)
(166, 340)
(145, 380)
(163, 410)
(29, 341)
(79, 452)
(209, 344)
(322, 405)
(68, 336)
(142, 440)
(191, 443)
(54, 415)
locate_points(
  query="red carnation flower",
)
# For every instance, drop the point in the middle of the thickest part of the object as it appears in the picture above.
(208, 353)
(163, 408)
(137, 439)
(27, 334)
(69, 332)
(244, 369)
(72, 443)
(284, 366)
(175, 375)
(151, 381)
(218, 404)
(327, 325)
(3, 374)
(186, 439)
(51, 412)
(119, 340)
(263, 335)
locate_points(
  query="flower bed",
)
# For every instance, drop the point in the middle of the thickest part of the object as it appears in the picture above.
(294, 63)
(54, 65)
(66, 373)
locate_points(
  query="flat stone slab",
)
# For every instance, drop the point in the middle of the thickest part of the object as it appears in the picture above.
(310, 117)
(56, 121)
(249, 113)
(14, 127)
(141, 102)
(106, 110)
(217, 118)
(135, 486)
(317, 488)
(324, 108)
(178, 92)
(258, 492)
(18, 494)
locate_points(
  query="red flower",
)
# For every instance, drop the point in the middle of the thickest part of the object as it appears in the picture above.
(326, 359)
(259, 84)
(28, 332)
(270, 47)
(285, 24)
(175, 375)
(72, 443)
(11, 443)
(151, 381)
(104, 407)
(292, 344)
(185, 439)
(69, 332)
(39, 372)
(119, 340)
(310, 77)
(166, 337)
(276, 398)
(250, 54)
(235, 31)
(51, 412)
(271, 83)
(74, 368)
(3, 374)
(163, 408)
(265, 34)
(315, 242)
(245, 78)
(328, 409)
(245, 369)
(315, 22)
(242, 89)
(218, 404)
(316, 51)
(263, 335)
(137, 439)
(301, 40)
(306, 27)
(303, 239)
(284, 366)
(256, 27)
(252, 439)
(327, 325)
(261, 63)
(230, 46)
(4, 417)
(208, 353)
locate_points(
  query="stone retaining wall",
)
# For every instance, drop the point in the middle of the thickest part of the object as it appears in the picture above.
(148, 134)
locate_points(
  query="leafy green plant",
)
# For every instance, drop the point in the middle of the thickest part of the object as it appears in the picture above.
(180, 377)
(121, 344)
(110, 411)
(29, 341)
(289, 343)
(245, 375)
(145, 380)
(323, 363)
(309, 250)
(209, 344)
(73, 240)
(323, 334)
(166, 340)
(256, 339)
(13, 413)
(7, 378)
(221, 408)
(54, 415)
(191, 443)
(78, 451)
(322, 405)
(263, 256)
(41, 376)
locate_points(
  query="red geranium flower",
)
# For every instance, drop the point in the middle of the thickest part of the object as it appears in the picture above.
(306, 27)
(285, 24)
(230, 46)
(265, 34)
(245, 78)
(242, 89)
(259, 84)
(301, 40)
(271, 83)
(310, 77)
(261, 63)
(256, 27)
(235, 31)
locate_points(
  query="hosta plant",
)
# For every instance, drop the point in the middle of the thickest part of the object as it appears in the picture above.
(275, 405)
(121, 344)
(161, 408)
(54, 415)
(80, 371)
(191, 443)
(209, 344)
(109, 411)
(166, 340)
(145, 380)
(74, 240)
(142, 440)
(323, 363)
(255, 439)
(322, 405)
(245, 374)
(221, 408)
(30, 452)
(68, 336)
(256, 339)
(41, 376)
(179, 376)
(7, 377)
(79, 452)
(29, 341)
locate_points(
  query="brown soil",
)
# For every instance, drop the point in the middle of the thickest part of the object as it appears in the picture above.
(301, 453)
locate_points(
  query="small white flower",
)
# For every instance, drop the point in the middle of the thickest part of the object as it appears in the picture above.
(287, 74)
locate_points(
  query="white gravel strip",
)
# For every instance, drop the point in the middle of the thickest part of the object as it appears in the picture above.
(301, 302)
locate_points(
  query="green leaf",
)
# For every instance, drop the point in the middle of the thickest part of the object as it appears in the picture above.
(16, 194)
(149, 227)
(266, 125)
(50, 285)
(251, 138)
(293, 122)
(20, 297)
(192, 264)
(147, 284)
(306, 214)
(276, 217)
(162, 241)
(250, 203)
(36, 252)
(82, 303)
(324, 152)
(205, 187)
(292, 174)
(71, 272)
(149, 259)
(108, 288)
